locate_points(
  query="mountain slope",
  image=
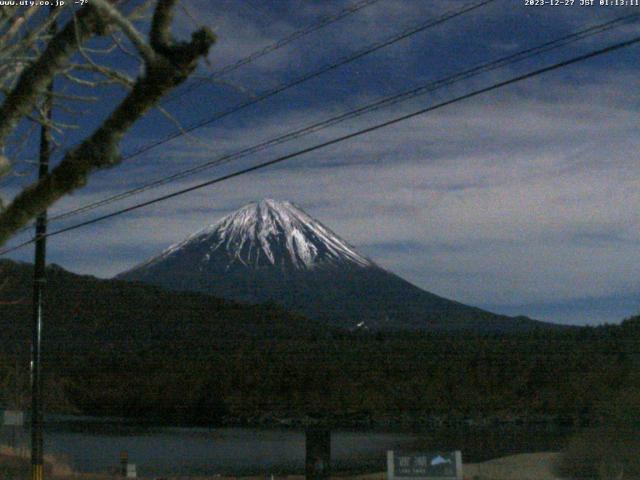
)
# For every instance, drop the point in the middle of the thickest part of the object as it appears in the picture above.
(273, 251)
(83, 313)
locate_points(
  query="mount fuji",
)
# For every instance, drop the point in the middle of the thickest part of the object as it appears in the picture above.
(273, 251)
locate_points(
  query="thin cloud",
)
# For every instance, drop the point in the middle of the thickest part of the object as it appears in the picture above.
(517, 201)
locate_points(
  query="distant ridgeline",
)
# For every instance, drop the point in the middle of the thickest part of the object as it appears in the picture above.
(118, 348)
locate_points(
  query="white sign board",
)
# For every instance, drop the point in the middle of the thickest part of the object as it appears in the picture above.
(424, 465)
(131, 470)
(13, 418)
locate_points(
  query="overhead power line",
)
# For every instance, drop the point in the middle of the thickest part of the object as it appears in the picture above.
(285, 86)
(282, 87)
(382, 103)
(323, 22)
(475, 93)
(308, 76)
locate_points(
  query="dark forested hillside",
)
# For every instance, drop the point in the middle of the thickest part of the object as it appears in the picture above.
(351, 379)
(85, 313)
(120, 349)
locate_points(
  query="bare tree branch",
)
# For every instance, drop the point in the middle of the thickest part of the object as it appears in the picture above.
(4, 165)
(35, 78)
(91, 65)
(9, 51)
(171, 64)
(128, 29)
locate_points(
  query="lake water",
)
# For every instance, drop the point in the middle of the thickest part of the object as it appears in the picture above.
(95, 446)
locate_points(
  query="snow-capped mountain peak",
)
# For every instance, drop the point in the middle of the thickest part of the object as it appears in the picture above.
(271, 251)
(267, 233)
(262, 232)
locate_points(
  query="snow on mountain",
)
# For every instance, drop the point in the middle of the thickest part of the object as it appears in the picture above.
(268, 233)
(271, 251)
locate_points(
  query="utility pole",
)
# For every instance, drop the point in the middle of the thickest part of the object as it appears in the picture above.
(39, 281)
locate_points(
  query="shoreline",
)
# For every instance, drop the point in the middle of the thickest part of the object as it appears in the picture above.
(353, 421)
(524, 466)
